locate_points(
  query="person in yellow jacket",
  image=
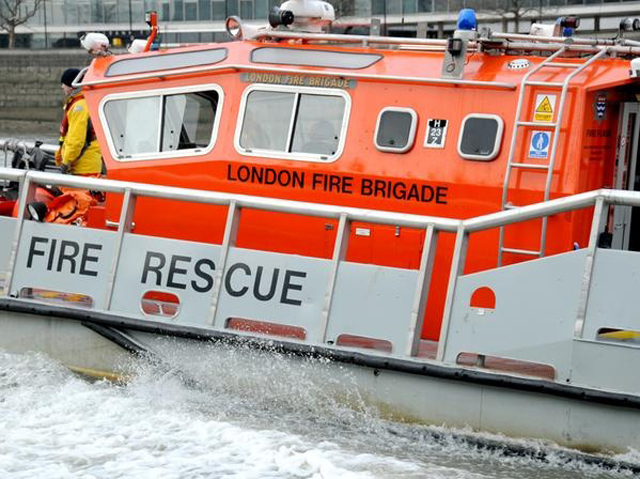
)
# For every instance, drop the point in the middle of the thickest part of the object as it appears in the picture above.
(79, 153)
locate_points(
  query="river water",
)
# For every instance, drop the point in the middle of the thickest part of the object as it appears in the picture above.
(222, 412)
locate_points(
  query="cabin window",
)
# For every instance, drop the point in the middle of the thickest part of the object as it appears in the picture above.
(480, 137)
(162, 125)
(188, 120)
(315, 58)
(166, 61)
(395, 130)
(302, 123)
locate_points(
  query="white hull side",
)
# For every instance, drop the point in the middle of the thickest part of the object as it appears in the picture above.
(66, 341)
(568, 422)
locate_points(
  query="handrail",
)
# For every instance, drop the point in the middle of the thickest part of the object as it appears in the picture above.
(528, 42)
(5, 142)
(11, 174)
(336, 37)
(470, 225)
(161, 74)
(244, 201)
(532, 211)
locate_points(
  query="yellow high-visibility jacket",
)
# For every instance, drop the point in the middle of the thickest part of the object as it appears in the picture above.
(74, 130)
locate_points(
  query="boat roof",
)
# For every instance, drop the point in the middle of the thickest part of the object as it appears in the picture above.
(411, 62)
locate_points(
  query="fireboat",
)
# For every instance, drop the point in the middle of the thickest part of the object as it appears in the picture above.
(454, 221)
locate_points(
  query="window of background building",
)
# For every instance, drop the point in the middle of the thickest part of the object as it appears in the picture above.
(71, 12)
(451, 4)
(96, 11)
(138, 10)
(166, 12)
(150, 5)
(425, 5)
(177, 10)
(218, 10)
(440, 5)
(394, 7)
(204, 9)
(55, 12)
(191, 11)
(484, 4)
(409, 6)
(123, 12)
(262, 9)
(232, 7)
(84, 12)
(110, 13)
(246, 8)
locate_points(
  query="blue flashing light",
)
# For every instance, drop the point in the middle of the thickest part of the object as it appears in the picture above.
(467, 19)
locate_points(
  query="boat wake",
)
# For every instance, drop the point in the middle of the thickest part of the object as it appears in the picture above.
(217, 411)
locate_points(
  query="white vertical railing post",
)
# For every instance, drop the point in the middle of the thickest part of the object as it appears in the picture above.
(422, 290)
(27, 194)
(339, 252)
(457, 268)
(599, 218)
(228, 240)
(125, 225)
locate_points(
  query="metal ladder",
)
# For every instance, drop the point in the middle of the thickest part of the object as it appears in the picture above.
(554, 126)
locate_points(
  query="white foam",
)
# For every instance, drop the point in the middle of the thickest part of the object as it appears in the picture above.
(249, 417)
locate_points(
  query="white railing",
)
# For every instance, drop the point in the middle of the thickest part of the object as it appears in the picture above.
(600, 199)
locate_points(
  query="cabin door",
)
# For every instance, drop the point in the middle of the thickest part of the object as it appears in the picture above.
(626, 219)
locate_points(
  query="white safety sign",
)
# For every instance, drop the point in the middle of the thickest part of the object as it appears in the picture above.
(539, 147)
(545, 104)
(436, 133)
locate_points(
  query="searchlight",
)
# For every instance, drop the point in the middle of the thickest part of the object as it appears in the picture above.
(95, 43)
(302, 15)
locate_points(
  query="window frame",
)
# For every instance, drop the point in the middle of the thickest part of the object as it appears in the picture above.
(412, 132)
(162, 155)
(296, 156)
(282, 50)
(144, 58)
(496, 145)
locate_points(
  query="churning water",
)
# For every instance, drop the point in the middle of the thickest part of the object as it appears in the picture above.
(222, 412)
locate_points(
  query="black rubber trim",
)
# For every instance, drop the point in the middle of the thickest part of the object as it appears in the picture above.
(376, 363)
(116, 337)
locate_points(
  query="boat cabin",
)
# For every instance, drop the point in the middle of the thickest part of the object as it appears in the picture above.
(478, 124)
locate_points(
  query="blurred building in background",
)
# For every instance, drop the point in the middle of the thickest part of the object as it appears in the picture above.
(59, 23)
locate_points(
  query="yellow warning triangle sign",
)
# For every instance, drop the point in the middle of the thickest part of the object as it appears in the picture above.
(545, 106)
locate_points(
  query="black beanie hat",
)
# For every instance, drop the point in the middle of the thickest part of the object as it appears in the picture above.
(68, 76)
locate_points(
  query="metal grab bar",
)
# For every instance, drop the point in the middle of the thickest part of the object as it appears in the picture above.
(161, 74)
(77, 81)
(244, 201)
(6, 143)
(471, 225)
